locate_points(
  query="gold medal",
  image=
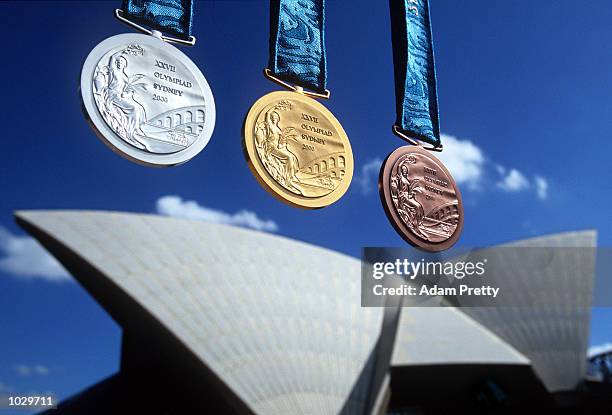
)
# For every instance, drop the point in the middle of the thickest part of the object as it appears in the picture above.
(297, 149)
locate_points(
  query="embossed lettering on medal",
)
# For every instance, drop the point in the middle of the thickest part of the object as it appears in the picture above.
(147, 100)
(421, 199)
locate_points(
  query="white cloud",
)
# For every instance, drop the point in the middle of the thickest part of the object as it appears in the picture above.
(25, 370)
(23, 257)
(463, 159)
(600, 348)
(189, 209)
(541, 186)
(369, 172)
(470, 167)
(513, 180)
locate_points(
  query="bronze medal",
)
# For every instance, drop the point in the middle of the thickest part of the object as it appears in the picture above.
(421, 199)
(418, 193)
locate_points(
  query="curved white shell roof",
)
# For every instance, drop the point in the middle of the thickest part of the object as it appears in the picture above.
(430, 335)
(279, 322)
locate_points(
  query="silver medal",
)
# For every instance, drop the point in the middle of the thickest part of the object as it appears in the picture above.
(147, 100)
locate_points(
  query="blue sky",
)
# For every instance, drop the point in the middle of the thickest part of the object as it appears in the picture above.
(525, 108)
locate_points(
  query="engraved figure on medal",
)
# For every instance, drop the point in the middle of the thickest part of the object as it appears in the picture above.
(114, 93)
(147, 100)
(273, 148)
(404, 192)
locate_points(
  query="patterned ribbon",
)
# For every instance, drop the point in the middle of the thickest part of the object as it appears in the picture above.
(297, 47)
(172, 17)
(415, 73)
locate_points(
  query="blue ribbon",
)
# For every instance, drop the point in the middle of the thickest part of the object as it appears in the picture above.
(172, 17)
(415, 73)
(297, 47)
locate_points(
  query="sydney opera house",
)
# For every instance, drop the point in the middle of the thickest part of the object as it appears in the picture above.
(223, 320)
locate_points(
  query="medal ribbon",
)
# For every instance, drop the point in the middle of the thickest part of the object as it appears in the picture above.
(173, 17)
(415, 73)
(297, 47)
